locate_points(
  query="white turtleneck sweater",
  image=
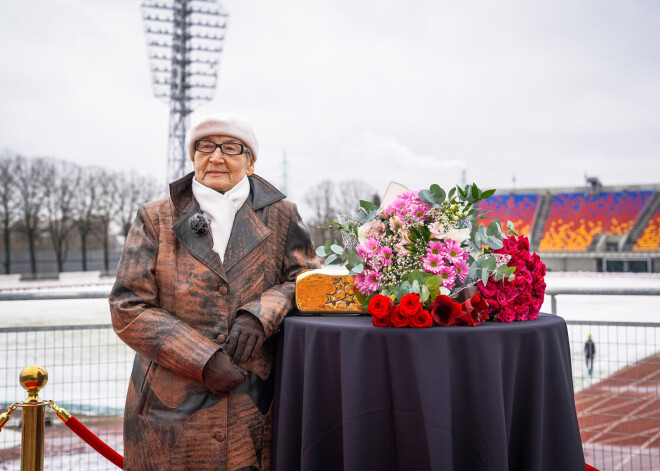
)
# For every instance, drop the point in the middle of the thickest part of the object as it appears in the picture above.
(221, 209)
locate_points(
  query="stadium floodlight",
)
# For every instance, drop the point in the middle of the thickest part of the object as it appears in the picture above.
(184, 42)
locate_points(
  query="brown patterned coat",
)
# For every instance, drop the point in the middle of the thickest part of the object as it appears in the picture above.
(174, 303)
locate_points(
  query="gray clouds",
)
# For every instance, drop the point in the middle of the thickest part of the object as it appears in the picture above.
(387, 90)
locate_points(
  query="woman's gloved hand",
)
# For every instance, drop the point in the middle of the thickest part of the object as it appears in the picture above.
(245, 338)
(221, 375)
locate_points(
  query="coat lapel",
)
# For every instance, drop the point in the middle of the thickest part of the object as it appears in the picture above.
(200, 246)
(248, 231)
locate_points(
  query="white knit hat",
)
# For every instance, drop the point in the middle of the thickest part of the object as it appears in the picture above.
(222, 124)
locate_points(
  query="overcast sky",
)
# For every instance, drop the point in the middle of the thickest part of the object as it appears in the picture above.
(414, 91)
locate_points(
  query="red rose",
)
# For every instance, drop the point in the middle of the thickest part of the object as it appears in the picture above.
(445, 311)
(410, 304)
(422, 319)
(381, 321)
(380, 306)
(503, 297)
(398, 318)
(507, 314)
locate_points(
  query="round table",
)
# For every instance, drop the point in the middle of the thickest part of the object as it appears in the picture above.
(350, 396)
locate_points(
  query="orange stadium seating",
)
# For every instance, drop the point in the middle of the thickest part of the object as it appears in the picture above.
(519, 209)
(649, 241)
(575, 218)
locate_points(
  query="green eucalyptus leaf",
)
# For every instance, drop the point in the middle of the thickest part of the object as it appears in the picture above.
(484, 277)
(495, 243)
(452, 192)
(320, 251)
(415, 286)
(512, 231)
(490, 263)
(425, 294)
(494, 228)
(354, 258)
(338, 249)
(356, 269)
(331, 258)
(417, 275)
(427, 197)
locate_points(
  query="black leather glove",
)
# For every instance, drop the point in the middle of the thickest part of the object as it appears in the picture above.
(221, 374)
(245, 338)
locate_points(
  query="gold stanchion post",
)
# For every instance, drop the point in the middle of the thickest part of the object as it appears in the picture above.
(33, 378)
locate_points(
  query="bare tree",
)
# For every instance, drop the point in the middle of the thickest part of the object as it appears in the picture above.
(106, 205)
(133, 191)
(321, 199)
(29, 190)
(350, 193)
(8, 206)
(84, 205)
(61, 181)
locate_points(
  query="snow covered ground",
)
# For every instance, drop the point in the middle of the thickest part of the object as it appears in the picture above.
(570, 307)
(616, 346)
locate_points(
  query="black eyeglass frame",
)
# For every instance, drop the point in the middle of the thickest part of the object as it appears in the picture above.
(243, 148)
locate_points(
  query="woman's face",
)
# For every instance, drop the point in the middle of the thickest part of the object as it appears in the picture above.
(219, 171)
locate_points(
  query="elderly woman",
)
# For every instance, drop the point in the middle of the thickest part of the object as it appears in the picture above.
(206, 277)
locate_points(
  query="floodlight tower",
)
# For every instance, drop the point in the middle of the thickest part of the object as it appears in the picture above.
(184, 40)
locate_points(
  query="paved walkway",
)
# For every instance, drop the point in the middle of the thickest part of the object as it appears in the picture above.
(619, 418)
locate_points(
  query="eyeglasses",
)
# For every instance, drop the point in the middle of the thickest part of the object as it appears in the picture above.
(227, 148)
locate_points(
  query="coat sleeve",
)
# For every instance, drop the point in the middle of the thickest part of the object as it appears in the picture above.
(151, 331)
(274, 303)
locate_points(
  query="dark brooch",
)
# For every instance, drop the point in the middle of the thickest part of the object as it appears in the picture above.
(199, 224)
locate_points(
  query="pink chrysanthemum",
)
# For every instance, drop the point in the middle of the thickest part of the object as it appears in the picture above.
(386, 255)
(419, 211)
(462, 269)
(367, 281)
(371, 245)
(403, 203)
(453, 251)
(435, 248)
(448, 274)
(433, 263)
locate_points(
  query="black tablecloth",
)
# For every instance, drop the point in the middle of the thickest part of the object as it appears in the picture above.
(350, 396)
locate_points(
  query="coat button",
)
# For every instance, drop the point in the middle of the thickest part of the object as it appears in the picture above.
(221, 338)
(220, 436)
(223, 290)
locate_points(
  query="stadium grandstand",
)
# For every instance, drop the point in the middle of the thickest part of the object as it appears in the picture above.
(590, 228)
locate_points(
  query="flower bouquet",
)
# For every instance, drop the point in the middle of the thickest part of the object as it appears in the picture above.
(419, 260)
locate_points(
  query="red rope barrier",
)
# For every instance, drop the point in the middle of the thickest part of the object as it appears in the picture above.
(95, 442)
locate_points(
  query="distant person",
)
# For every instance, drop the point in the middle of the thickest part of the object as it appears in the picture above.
(206, 277)
(590, 353)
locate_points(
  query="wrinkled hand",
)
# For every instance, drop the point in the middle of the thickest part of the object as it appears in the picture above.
(221, 375)
(246, 337)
